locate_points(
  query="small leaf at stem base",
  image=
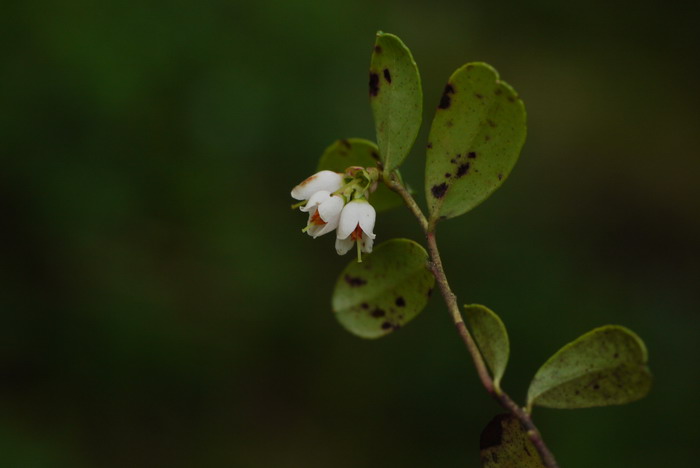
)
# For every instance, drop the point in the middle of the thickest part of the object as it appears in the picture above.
(505, 444)
(491, 337)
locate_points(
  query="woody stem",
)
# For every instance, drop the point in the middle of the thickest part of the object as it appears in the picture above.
(452, 305)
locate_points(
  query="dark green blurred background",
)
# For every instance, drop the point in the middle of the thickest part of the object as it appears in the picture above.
(160, 306)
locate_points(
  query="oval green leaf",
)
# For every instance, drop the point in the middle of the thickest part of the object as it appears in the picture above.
(342, 154)
(504, 444)
(490, 335)
(606, 366)
(396, 98)
(475, 140)
(384, 292)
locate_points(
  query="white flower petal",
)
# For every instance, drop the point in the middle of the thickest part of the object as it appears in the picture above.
(349, 218)
(314, 229)
(324, 229)
(342, 246)
(324, 180)
(315, 200)
(367, 243)
(330, 210)
(367, 218)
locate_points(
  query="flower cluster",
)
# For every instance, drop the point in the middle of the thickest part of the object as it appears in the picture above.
(338, 202)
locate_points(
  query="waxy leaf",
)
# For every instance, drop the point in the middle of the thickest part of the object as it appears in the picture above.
(490, 335)
(606, 366)
(504, 444)
(475, 140)
(358, 152)
(396, 98)
(384, 292)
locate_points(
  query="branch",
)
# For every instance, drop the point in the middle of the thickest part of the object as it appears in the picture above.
(451, 301)
(393, 182)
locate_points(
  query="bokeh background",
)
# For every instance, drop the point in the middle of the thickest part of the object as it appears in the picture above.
(159, 306)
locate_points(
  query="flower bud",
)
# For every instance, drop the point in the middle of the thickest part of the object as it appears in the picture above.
(325, 180)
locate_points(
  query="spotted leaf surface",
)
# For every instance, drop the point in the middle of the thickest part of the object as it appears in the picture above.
(504, 444)
(474, 142)
(491, 337)
(384, 292)
(396, 98)
(358, 152)
(606, 366)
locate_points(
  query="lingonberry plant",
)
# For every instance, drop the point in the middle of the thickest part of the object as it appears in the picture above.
(474, 142)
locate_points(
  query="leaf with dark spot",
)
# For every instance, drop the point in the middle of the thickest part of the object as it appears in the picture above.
(397, 108)
(586, 373)
(396, 279)
(446, 100)
(355, 281)
(387, 75)
(472, 119)
(462, 169)
(373, 84)
(438, 191)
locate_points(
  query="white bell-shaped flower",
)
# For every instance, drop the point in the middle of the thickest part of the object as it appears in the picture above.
(356, 225)
(324, 213)
(325, 180)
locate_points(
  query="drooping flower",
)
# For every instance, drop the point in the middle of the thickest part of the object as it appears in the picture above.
(325, 180)
(324, 213)
(356, 226)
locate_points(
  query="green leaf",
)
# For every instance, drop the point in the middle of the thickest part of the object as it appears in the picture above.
(342, 154)
(606, 366)
(491, 337)
(384, 292)
(504, 444)
(396, 98)
(475, 140)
